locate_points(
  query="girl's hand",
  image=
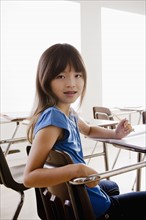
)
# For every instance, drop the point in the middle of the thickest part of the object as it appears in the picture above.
(123, 129)
(85, 171)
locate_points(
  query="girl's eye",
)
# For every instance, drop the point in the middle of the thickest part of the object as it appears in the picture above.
(78, 75)
(60, 77)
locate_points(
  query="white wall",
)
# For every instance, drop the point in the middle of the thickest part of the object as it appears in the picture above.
(27, 29)
(91, 52)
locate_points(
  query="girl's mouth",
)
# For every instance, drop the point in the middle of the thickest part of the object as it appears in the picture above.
(70, 92)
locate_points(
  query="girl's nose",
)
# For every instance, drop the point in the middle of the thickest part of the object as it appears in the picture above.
(70, 82)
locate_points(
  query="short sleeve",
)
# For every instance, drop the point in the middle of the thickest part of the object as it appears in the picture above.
(52, 116)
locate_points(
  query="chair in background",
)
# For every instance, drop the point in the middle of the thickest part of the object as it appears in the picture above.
(103, 113)
(9, 177)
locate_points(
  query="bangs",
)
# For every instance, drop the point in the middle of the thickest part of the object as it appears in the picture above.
(66, 56)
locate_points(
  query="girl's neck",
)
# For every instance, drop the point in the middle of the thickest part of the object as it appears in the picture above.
(64, 108)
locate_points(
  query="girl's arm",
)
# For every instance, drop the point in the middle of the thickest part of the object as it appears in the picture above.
(121, 130)
(37, 176)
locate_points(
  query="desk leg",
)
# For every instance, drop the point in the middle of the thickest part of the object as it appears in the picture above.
(105, 156)
(138, 180)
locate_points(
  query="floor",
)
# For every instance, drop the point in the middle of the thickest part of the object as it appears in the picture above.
(9, 198)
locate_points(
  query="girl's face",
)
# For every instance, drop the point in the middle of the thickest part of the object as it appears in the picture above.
(67, 86)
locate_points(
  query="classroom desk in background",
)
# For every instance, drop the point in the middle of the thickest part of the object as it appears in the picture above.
(16, 118)
(135, 141)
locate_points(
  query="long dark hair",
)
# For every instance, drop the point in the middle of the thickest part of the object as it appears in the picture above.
(53, 61)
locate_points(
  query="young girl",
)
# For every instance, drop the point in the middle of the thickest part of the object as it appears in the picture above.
(61, 79)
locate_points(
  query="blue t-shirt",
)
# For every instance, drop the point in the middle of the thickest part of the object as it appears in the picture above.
(71, 143)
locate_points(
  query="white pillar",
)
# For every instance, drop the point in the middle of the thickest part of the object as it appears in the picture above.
(91, 53)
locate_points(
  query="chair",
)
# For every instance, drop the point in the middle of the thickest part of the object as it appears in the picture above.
(7, 178)
(103, 113)
(75, 203)
(50, 206)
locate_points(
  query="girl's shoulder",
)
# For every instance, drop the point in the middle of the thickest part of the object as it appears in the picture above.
(51, 116)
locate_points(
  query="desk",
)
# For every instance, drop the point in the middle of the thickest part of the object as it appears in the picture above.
(14, 117)
(136, 141)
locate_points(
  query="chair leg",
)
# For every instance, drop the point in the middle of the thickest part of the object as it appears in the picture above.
(19, 207)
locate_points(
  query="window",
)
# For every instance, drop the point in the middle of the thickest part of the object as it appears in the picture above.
(28, 28)
(123, 58)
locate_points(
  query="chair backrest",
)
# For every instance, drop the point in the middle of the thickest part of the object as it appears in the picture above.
(103, 113)
(77, 195)
(144, 117)
(74, 198)
(6, 177)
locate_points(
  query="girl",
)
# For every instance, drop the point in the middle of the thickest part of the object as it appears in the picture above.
(60, 81)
